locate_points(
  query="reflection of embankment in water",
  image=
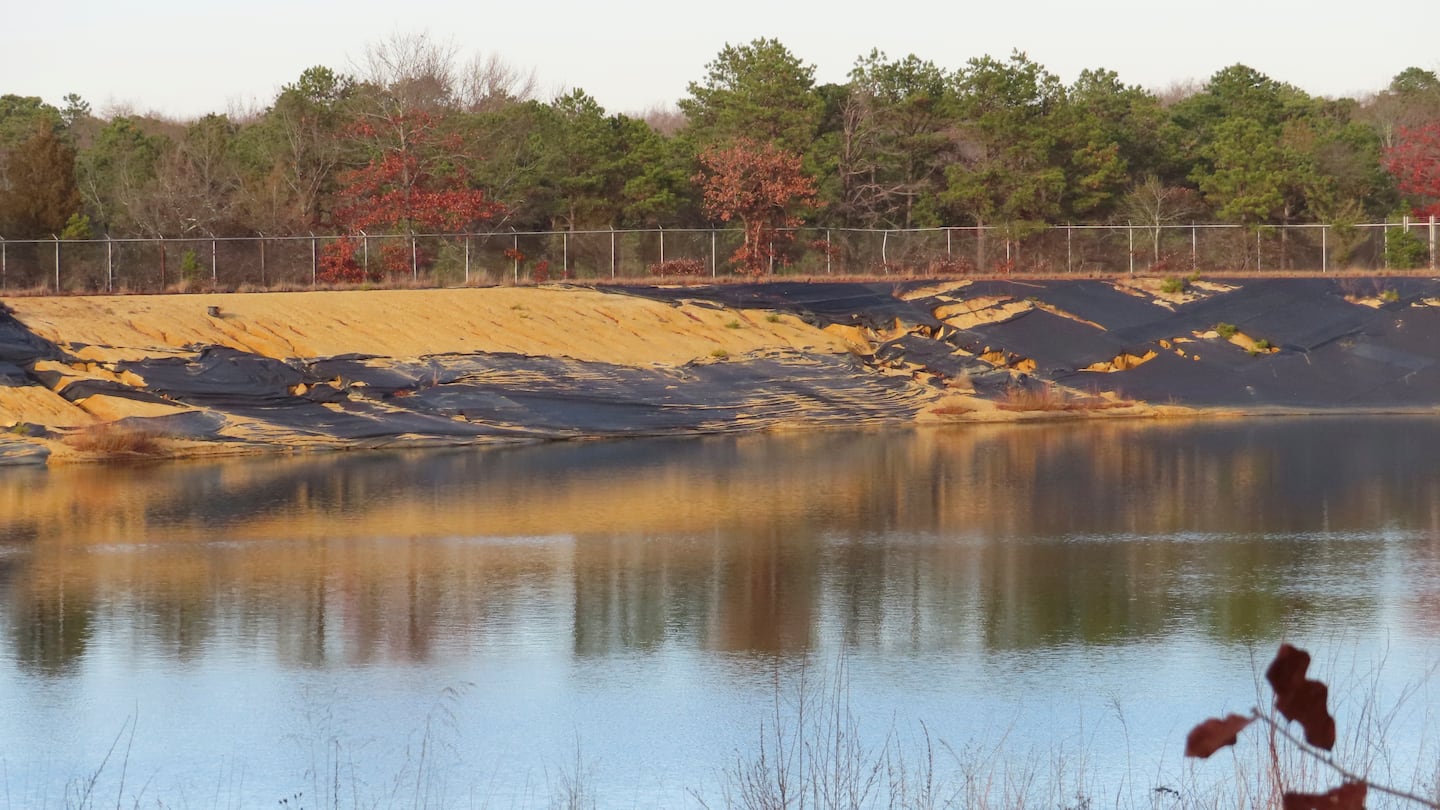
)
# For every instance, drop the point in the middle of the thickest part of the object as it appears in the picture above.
(935, 539)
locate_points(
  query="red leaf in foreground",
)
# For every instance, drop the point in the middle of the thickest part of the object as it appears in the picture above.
(1300, 699)
(1214, 734)
(1349, 796)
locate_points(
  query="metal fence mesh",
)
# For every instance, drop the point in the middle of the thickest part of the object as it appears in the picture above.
(151, 265)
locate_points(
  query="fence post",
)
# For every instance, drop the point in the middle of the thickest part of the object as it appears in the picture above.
(1257, 249)
(1194, 249)
(414, 260)
(162, 263)
(57, 262)
(947, 242)
(1385, 246)
(830, 246)
(262, 257)
(713, 262)
(3, 269)
(1324, 247)
(1130, 232)
(884, 245)
(1432, 241)
(564, 254)
(662, 244)
(313, 259)
(467, 260)
(214, 266)
(109, 264)
(515, 257)
(1069, 248)
(614, 259)
(365, 252)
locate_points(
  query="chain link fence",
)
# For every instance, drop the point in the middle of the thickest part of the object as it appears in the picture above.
(265, 262)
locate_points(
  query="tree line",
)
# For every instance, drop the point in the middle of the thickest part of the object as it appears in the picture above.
(413, 141)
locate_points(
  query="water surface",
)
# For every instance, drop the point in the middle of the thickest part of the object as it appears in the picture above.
(484, 628)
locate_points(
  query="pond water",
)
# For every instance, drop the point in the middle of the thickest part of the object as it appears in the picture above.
(622, 623)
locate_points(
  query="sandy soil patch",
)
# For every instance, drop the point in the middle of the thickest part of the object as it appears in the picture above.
(578, 323)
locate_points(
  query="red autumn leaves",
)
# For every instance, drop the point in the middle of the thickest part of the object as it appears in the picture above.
(1300, 700)
(1414, 162)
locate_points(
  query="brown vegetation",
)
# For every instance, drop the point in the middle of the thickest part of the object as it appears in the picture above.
(113, 441)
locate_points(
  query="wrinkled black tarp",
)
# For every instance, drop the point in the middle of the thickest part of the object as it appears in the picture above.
(19, 345)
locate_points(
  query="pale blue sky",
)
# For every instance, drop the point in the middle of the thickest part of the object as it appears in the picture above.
(187, 58)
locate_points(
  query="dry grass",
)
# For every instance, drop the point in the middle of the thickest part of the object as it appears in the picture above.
(1049, 397)
(116, 442)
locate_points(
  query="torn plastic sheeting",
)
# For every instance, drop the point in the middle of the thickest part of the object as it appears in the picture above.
(12, 376)
(377, 373)
(78, 389)
(354, 420)
(218, 375)
(873, 305)
(935, 356)
(19, 345)
(20, 453)
(1095, 301)
(1053, 342)
(188, 424)
(570, 395)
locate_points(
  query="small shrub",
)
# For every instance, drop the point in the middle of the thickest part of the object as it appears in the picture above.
(720, 354)
(190, 267)
(541, 271)
(678, 268)
(732, 325)
(1263, 345)
(1174, 285)
(1404, 250)
(1390, 296)
(773, 317)
(1226, 330)
(20, 429)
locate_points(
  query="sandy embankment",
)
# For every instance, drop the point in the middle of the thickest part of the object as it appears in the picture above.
(279, 372)
(109, 338)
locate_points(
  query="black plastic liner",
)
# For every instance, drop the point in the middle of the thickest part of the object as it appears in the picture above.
(19, 345)
(875, 305)
(1333, 352)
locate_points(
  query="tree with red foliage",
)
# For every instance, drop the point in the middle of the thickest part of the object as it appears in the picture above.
(1414, 162)
(762, 186)
(413, 183)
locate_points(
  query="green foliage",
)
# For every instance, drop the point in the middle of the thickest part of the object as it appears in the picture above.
(1226, 330)
(190, 267)
(1174, 285)
(759, 90)
(1390, 295)
(1035, 156)
(77, 227)
(1263, 345)
(1404, 250)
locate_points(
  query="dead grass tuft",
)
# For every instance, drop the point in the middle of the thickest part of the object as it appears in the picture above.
(116, 442)
(1049, 397)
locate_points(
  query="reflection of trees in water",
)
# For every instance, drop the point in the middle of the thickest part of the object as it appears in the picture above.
(50, 626)
(1000, 538)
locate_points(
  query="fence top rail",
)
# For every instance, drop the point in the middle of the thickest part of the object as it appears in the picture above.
(489, 235)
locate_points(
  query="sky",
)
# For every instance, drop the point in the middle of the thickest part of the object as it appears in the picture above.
(185, 59)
